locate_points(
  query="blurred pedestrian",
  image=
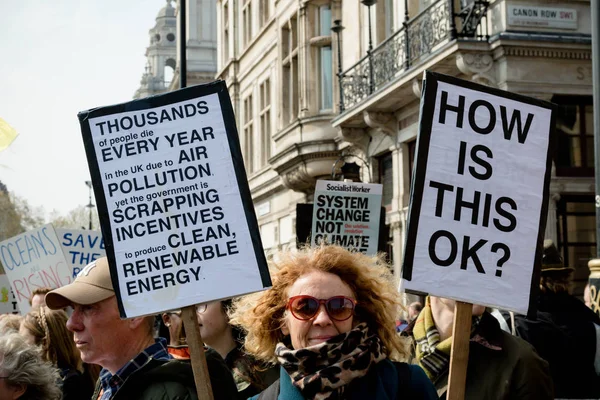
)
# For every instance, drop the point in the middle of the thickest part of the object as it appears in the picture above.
(328, 322)
(414, 309)
(47, 329)
(37, 298)
(135, 365)
(177, 347)
(565, 331)
(251, 376)
(23, 374)
(500, 365)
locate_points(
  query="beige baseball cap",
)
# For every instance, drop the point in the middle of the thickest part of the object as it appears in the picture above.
(92, 285)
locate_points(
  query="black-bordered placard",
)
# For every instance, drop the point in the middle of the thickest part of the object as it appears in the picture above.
(479, 195)
(173, 198)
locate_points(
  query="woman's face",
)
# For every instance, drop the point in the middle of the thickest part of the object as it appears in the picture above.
(213, 322)
(321, 285)
(174, 323)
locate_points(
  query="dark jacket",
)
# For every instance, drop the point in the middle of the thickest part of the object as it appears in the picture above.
(380, 383)
(174, 380)
(251, 377)
(501, 367)
(564, 335)
(75, 385)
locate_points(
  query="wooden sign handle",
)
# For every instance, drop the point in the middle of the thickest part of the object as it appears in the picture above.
(198, 359)
(459, 356)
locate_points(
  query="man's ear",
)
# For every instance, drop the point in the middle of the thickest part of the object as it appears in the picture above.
(166, 318)
(135, 322)
(19, 390)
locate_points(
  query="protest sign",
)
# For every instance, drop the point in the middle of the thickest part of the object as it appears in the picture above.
(8, 303)
(480, 194)
(32, 260)
(347, 213)
(173, 200)
(80, 247)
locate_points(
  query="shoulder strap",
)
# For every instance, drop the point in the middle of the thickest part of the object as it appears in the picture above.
(270, 393)
(404, 380)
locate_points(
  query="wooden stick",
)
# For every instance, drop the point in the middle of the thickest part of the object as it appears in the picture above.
(459, 356)
(198, 359)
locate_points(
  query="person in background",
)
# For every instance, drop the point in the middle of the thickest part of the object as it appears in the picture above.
(47, 329)
(10, 323)
(177, 342)
(328, 322)
(23, 374)
(251, 376)
(565, 332)
(37, 298)
(414, 309)
(135, 365)
(500, 366)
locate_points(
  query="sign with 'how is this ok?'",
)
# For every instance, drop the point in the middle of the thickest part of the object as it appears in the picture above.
(480, 191)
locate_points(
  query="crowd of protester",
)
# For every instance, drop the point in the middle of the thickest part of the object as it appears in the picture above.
(332, 326)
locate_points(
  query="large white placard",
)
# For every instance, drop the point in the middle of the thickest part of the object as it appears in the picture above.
(173, 199)
(479, 199)
(34, 259)
(8, 303)
(80, 247)
(347, 214)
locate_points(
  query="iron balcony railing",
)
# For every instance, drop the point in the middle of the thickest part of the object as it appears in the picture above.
(409, 46)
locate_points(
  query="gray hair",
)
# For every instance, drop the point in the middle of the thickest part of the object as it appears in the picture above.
(21, 364)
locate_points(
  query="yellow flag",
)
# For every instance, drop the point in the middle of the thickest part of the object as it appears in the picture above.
(7, 134)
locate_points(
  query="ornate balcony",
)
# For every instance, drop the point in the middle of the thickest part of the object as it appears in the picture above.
(410, 46)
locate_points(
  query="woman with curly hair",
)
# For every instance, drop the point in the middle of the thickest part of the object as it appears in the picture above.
(328, 321)
(23, 374)
(47, 329)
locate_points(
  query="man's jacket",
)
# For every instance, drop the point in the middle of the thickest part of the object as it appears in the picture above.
(564, 335)
(501, 367)
(174, 380)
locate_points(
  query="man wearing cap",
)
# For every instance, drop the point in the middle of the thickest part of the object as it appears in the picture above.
(135, 365)
(564, 332)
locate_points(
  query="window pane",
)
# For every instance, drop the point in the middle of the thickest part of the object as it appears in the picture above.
(387, 179)
(581, 229)
(589, 150)
(582, 207)
(326, 78)
(589, 120)
(324, 20)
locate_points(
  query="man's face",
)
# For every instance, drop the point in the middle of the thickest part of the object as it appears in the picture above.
(38, 300)
(98, 332)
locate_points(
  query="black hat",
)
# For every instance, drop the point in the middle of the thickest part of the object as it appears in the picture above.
(551, 259)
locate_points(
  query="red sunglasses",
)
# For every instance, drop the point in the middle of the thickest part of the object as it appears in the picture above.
(304, 308)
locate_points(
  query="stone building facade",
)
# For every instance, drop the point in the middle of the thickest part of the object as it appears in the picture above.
(299, 111)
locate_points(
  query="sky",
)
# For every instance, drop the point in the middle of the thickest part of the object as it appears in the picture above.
(58, 58)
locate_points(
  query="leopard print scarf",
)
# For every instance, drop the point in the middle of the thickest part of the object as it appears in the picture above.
(322, 371)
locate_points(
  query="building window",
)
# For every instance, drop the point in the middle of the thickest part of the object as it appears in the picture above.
(248, 134)
(290, 93)
(574, 154)
(576, 227)
(386, 178)
(325, 60)
(263, 12)
(412, 146)
(225, 44)
(265, 121)
(247, 21)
